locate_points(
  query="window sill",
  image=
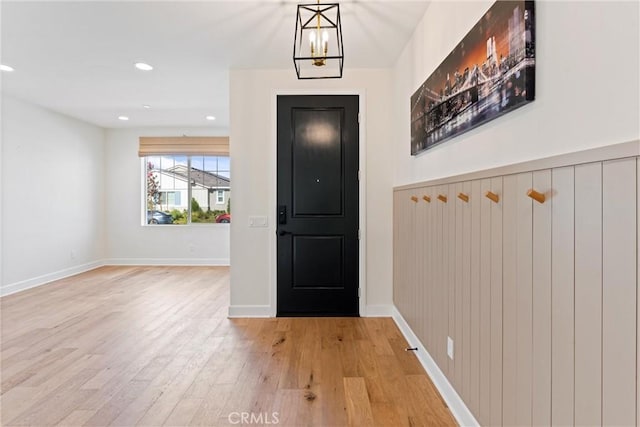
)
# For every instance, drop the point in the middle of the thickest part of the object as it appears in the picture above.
(197, 224)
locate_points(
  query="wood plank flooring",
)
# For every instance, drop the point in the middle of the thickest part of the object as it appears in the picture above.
(152, 346)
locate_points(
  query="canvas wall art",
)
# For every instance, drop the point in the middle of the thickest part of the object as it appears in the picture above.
(489, 73)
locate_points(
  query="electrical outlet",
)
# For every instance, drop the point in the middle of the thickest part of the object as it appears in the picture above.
(450, 348)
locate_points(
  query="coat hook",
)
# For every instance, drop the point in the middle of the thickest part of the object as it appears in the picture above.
(442, 198)
(463, 197)
(426, 199)
(414, 198)
(538, 197)
(492, 196)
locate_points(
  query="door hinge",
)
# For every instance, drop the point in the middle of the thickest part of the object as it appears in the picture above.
(358, 117)
(358, 292)
(358, 234)
(358, 175)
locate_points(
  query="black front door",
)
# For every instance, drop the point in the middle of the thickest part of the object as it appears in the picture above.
(317, 205)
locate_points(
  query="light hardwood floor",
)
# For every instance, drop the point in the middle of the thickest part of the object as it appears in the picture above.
(152, 346)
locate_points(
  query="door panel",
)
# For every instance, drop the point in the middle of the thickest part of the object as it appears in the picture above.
(318, 187)
(317, 255)
(318, 262)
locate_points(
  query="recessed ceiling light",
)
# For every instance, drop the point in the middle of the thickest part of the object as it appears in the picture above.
(210, 118)
(146, 106)
(123, 118)
(5, 67)
(143, 66)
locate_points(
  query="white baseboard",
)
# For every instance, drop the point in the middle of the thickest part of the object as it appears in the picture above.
(380, 310)
(250, 311)
(462, 414)
(267, 311)
(169, 261)
(46, 278)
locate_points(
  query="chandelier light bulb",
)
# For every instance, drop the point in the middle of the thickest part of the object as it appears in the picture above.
(312, 42)
(325, 41)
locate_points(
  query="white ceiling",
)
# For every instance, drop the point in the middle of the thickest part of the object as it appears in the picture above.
(77, 57)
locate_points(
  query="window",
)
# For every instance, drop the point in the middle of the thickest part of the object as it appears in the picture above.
(187, 189)
(170, 199)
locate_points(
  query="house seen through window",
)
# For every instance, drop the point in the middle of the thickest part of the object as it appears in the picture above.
(187, 189)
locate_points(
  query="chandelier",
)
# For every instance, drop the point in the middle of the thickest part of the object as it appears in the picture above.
(318, 52)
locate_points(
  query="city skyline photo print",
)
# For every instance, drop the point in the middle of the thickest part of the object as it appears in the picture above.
(489, 73)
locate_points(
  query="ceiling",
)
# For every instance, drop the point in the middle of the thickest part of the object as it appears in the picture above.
(78, 57)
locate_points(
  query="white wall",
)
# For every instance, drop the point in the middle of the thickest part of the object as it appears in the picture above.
(128, 241)
(253, 149)
(52, 195)
(1, 171)
(587, 87)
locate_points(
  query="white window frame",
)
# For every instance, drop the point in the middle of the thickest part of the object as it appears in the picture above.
(144, 162)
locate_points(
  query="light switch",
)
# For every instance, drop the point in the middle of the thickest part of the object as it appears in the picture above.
(258, 221)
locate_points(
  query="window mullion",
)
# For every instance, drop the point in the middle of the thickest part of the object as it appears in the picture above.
(189, 193)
